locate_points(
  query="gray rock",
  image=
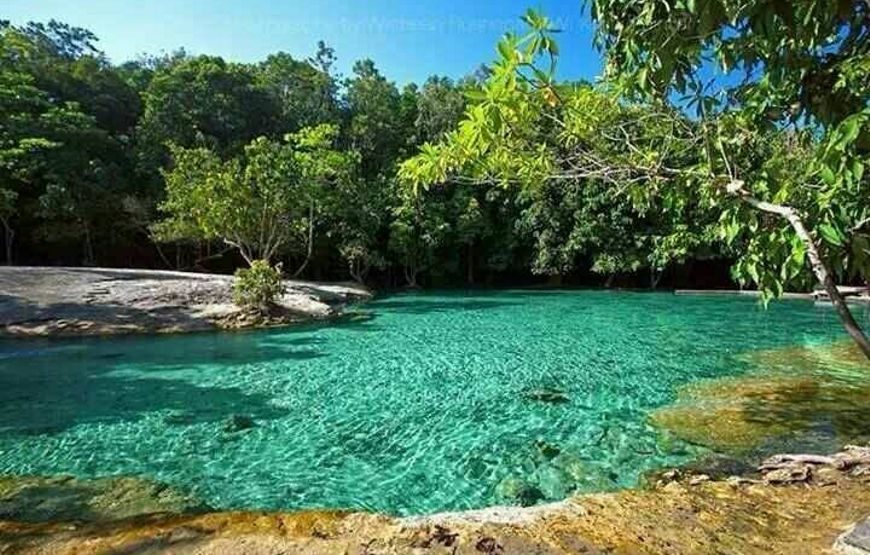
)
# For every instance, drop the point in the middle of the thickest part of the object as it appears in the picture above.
(855, 541)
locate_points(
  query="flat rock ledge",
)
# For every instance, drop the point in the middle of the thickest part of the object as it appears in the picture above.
(41, 301)
(855, 541)
(822, 510)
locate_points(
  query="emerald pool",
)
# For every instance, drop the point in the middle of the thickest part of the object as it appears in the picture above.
(436, 401)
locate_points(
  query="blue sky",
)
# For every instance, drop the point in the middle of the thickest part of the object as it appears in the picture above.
(408, 40)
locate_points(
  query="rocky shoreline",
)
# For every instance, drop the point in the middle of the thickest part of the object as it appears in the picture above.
(41, 302)
(794, 503)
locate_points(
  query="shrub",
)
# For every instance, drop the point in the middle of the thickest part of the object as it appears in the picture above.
(258, 286)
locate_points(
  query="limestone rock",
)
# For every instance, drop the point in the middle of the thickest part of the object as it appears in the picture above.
(64, 498)
(855, 541)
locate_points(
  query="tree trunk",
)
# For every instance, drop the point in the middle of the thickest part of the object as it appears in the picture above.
(161, 254)
(310, 249)
(89, 247)
(821, 271)
(470, 276)
(411, 276)
(655, 276)
(10, 237)
(608, 283)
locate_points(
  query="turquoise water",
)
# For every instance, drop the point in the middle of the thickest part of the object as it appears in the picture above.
(434, 403)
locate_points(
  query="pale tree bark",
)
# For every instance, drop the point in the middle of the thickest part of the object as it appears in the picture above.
(411, 276)
(655, 276)
(238, 245)
(359, 270)
(310, 249)
(820, 269)
(88, 244)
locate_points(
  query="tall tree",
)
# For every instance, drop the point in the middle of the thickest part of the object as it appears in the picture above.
(653, 151)
(67, 119)
(800, 64)
(306, 94)
(262, 202)
(374, 105)
(204, 101)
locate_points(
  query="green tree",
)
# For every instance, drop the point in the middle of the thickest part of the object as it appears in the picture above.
(653, 151)
(803, 65)
(243, 202)
(375, 128)
(306, 94)
(204, 102)
(54, 154)
(262, 203)
(419, 227)
(440, 106)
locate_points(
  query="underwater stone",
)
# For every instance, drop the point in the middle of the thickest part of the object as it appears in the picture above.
(547, 450)
(548, 395)
(64, 498)
(554, 484)
(518, 491)
(239, 422)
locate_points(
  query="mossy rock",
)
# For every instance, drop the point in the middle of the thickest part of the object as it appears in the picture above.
(64, 498)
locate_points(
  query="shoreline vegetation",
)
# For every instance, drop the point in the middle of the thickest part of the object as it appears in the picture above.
(791, 504)
(73, 301)
(57, 301)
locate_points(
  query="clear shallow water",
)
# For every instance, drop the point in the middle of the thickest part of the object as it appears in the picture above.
(425, 407)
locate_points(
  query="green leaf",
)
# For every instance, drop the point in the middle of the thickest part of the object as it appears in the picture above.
(831, 234)
(828, 175)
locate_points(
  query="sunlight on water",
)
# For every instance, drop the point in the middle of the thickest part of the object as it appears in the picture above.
(437, 402)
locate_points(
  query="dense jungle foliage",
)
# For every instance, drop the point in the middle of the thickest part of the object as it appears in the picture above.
(193, 162)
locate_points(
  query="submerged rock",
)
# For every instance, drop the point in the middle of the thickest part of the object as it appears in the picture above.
(238, 423)
(746, 517)
(547, 450)
(518, 491)
(64, 498)
(790, 392)
(547, 395)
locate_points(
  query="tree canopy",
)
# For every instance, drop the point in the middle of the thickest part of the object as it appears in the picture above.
(737, 159)
(718, 125)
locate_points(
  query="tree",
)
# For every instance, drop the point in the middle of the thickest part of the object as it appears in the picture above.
(204, 101)
(262, 202)
(798, 64)
(7, 211)
(327, 174)
(243, 202)
(653, 151)
(419, 227)
(51, 150)
(374, 105)
(440, 106)
(306, 94)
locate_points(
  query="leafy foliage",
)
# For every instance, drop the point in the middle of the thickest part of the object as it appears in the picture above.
(260, 202)
(517, 173)
(259, 286)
